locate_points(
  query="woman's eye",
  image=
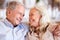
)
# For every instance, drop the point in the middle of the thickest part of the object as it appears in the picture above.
(33, 20)
(31, 14)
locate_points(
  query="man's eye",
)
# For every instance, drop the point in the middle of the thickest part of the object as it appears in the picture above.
(23, 15)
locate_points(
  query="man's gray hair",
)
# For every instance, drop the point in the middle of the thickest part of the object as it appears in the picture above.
(12, 5)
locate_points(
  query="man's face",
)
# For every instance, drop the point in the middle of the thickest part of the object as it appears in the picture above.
(34, 17)
(16, 15)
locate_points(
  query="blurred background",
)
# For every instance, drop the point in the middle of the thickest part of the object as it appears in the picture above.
(28, 5)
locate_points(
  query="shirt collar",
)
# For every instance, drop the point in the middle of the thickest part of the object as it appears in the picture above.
(8, 23)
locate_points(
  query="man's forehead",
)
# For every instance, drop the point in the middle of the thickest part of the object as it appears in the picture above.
(20, 8)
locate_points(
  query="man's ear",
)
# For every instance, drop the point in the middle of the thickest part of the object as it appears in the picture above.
(8, 12)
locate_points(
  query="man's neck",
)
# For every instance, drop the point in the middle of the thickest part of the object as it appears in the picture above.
(11, 23)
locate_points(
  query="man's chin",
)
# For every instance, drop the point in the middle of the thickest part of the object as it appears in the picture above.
(17, 23)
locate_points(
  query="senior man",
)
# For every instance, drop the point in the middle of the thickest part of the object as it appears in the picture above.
(12, 28)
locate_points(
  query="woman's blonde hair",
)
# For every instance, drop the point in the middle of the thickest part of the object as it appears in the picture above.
(37, 28)
(45, 20)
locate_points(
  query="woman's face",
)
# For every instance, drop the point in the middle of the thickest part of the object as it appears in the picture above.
(34, 17)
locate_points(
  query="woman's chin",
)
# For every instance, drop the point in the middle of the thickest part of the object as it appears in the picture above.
(34, 25)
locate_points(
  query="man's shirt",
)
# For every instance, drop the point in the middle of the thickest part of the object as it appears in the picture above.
(8, 32)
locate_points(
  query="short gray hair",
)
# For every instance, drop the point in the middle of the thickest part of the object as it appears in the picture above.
(12, 5)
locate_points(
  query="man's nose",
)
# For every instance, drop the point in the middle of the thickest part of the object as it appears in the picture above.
(21, 17)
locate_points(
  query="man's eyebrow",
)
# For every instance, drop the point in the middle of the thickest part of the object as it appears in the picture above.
(21, 14)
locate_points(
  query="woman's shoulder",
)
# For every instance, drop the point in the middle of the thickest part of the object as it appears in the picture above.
(32, 36)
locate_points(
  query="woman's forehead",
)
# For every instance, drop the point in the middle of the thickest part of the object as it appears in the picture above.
(35, 14)
(34, 11)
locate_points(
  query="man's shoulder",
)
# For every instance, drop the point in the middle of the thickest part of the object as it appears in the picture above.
(2, 27)
(2, 23)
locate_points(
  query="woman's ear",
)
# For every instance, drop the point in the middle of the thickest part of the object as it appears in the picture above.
(40, 17)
